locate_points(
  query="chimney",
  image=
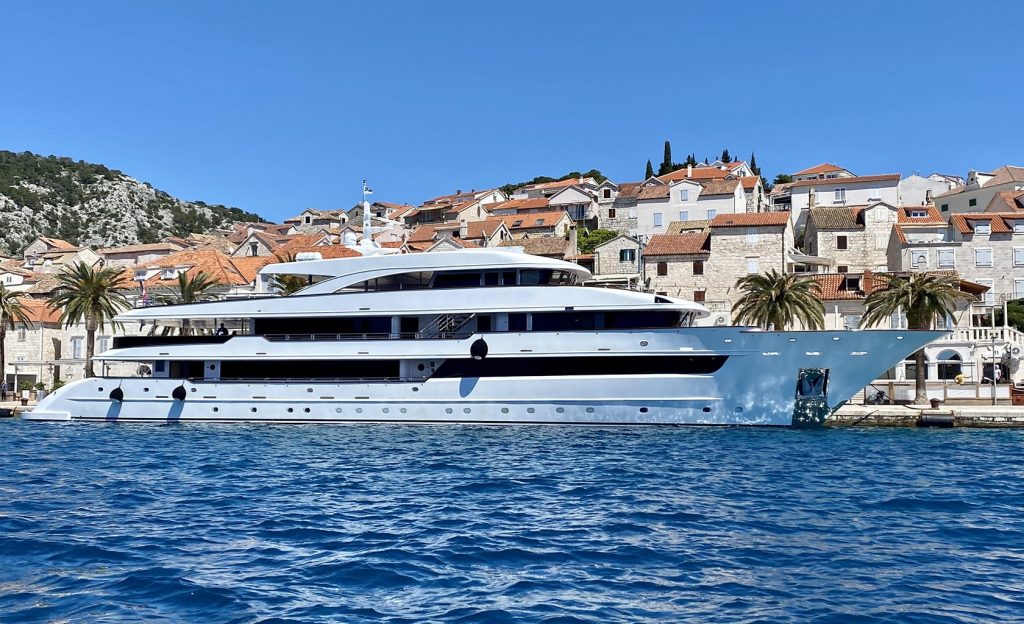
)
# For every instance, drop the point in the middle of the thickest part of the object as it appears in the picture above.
(927, 197)
(689, 171)
(463, 229)
(867, 284)
(458, 191)
(810, 198)
(573, 248)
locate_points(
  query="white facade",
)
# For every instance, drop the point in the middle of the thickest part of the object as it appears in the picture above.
(841, 192)
(915, 190)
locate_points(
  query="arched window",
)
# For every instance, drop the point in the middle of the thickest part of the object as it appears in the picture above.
(950, 364)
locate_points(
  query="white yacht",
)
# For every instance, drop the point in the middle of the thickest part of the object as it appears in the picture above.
(473, 336)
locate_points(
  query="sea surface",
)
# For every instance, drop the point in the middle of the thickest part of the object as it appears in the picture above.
(377, 523)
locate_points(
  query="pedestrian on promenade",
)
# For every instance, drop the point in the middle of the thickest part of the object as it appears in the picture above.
(3, 390)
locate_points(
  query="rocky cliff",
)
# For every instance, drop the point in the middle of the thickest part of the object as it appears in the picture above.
(89, 204)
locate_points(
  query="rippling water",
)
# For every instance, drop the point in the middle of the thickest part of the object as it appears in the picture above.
(475, 524)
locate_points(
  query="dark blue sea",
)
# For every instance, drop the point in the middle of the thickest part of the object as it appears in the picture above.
(375, 523)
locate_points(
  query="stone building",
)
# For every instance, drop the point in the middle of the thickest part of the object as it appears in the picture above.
(855, 237)
(618, 256)
(674, 265)
(620, 215)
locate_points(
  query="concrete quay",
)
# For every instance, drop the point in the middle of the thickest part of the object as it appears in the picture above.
(973, 416)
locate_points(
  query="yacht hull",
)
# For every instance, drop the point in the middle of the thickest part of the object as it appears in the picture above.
(757, 385)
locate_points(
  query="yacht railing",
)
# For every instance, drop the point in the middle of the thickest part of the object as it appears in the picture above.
(367, 336)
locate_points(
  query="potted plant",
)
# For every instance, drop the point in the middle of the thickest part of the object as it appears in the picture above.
(40, 391)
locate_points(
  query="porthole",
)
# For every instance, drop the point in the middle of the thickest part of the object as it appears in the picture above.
(290, 410)
(337, 410)
(420, 367)
(590, 410)
(706, 410)
(738, 409)
(560, 410)
(643, 343)
(403, 410)
(385, 410)
(504, 410)
(530, 410)
(145, 389)
(101, 388)
(306, 410)
(359, 410)
(643, 410)
(447, 410)
(415, 389)
(254, 410)
(213, 367)
(194, 389)
(309, 389)
(466, 410)
(216, 409)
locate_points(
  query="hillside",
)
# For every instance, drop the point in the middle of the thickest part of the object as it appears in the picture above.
(89, 204)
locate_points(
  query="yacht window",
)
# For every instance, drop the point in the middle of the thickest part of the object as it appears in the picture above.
(491, 279)
(508, 278)
(456, 280)
(517, 322)
(535, 277)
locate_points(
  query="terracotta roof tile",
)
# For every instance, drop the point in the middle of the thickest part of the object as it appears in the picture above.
(531, 220)
(1006, 201)
(751, 219)
(521, 204)
(1003, 175)
(719, 187)
(423, 234)
(249, 266)
(677, 244)
(693, 225)
(58, 243)
(932, 215)
(749, 182)
(966, 222)
(822, 168)
(38, 310)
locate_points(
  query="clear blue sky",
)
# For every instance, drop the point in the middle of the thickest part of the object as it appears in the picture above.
(274, 107)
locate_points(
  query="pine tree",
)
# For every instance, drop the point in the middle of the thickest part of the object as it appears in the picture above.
(706, 161)
(691, 160)
(726, 158)
(650, 170)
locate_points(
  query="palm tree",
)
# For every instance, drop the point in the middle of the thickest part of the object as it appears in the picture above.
(192, 289)
(91, 295)
(775, 300)
(12, 311)
(925, 297)
(287, 284)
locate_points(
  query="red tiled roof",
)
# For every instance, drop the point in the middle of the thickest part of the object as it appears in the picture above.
(423, 234)
(932, 216)
(719, 187)
(210, 261)
(751, 219)
(965, 222)
(750, 182)
(887, 177)
(249, 266)
(837, 287)
(58, 243)
(677, 244)
(822, 168)
(531, 220)
(38, 310)
(521, 204)
(1006, 201)
(482, 229)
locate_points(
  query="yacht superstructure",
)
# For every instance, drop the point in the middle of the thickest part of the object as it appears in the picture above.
(472, 336)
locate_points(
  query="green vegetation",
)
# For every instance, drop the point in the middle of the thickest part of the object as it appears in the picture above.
(11, 311)
(649, 172)
(593, 173)
(88, 295)
(924, 298)
(775, 300)
(586, 242)
(286, 285)
(783, 178)
(1015, 314)
(191, 289)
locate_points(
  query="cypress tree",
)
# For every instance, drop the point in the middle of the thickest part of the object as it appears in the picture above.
(650, 170)
(726, 158)
(667, 162)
